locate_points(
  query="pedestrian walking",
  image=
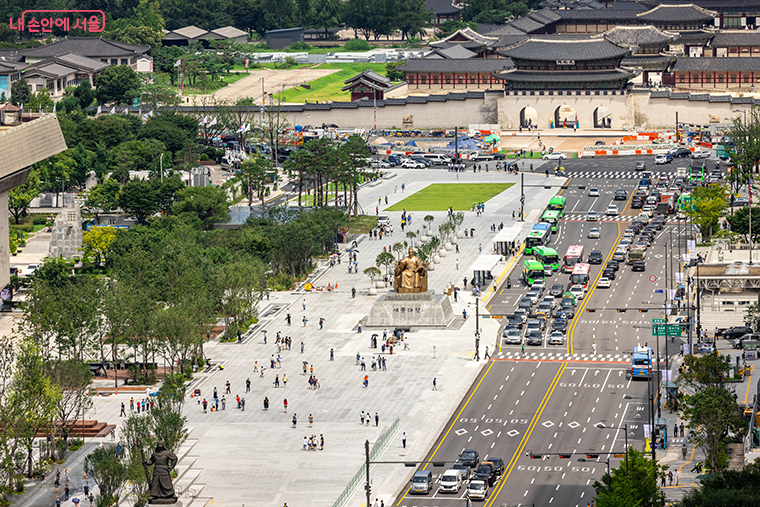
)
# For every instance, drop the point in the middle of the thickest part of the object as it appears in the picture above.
(321, 323)
(435, 384)
(287, 317)
(247, 385)
(457, 264)
(366, 380)
(224, 403)
(205, 405)
(677, 474)
(403, 439)
(285, 404)
(305, 443)
(311, 421)
(321, 442)
(305, 320)
(295, 420)
(301, 347)
(361, 419)
(266, 403)
(123, 411)
(242, 404)
(487, 355)
(681, 428)
(332, 355)
(377, 419)
(593, 347)
(304, 305)
(276, 381)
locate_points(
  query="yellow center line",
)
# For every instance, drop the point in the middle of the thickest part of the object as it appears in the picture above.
(512, 462)
(451, 426)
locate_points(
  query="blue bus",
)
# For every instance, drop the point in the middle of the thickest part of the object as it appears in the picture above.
(542, 226)
(641, 362)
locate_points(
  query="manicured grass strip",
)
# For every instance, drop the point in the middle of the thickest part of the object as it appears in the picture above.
(460, 196)
(328, 87)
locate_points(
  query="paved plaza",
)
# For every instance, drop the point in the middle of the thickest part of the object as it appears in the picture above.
(256, 457)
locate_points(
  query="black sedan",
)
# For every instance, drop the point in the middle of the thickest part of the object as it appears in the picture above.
(638, 266)
(614, 265)
(609, 273)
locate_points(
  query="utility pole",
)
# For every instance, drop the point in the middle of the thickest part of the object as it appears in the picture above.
(477, 330)
(456, 143)
(699, 321)
(522, 197)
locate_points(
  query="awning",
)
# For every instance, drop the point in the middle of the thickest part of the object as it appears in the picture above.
(486, 263)
(508, 234)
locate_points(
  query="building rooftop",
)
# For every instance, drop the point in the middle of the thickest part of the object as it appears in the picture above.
(498, 30)
(665, 13)
(455, 65)
(442, 7)
(716, 64)
(453, 52)
(635, 36)
(186, 32)
(556, 48)
(82, 62)
(736, 38)
(369, 75)
(574, 76)
(229, 32)
(527, 24)
(93, 47)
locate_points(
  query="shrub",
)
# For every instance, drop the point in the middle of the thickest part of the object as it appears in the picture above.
(357, 45)
(39, 220)
(298, 46)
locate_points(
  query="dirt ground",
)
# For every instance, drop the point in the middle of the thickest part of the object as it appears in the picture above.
(251, 86)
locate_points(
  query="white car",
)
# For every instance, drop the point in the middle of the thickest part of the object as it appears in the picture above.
(577, 291)
(556, 338)
(593, 192)
(591, 216)
(662, 159)
(478, 490)
(643, 218)
(412, 164)
(604, 282)
(647, 208)
(556, 155)
(612, 210)
(594, 233)
(700, 154)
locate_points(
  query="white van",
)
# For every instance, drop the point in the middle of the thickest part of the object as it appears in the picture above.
(451, 481)
(437, 158)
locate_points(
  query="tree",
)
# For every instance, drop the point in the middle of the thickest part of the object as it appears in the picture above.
(240, 287)
(739, 221)
(392, 72)
(254, 173)
(385, 259)
(108, 470)
(715, 419)
(327, 13)
(634, 486)
(704, 371)
(412, 18)
(20, 197)
(726, 489)
(72, 378)
(139, 198)
(102, 198)
(148, 14)
(33, 398)
(752, 316)
(372, 272)
(746, 153)
(85, 94)
(209, 204)
(117, 84)
(708, 204)
(139, 35)
(356, 14)
(21, 93)
(96, 242)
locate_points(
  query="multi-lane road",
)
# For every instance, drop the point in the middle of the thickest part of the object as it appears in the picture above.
(565, 399)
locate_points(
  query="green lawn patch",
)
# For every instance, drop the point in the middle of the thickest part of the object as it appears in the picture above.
(460, 196)
(328, 87)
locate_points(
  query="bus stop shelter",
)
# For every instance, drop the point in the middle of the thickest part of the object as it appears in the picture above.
(505, 239)
(482, 269)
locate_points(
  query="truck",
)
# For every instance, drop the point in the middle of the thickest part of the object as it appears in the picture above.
(666, 204)
(635, 254)
(681, 172)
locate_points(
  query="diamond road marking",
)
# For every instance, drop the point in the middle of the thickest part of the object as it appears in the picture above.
(548, 424)
(513, 433)
(573, 425)
(460, 432)
(486, 432)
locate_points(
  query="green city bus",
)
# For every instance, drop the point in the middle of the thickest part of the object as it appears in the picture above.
(557, 203)
(533, 271)
(537, 238)
(546, 256)
(552, 217)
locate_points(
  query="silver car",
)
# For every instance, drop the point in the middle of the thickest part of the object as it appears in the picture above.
(556, 338)
(594, 233)
(512, 337)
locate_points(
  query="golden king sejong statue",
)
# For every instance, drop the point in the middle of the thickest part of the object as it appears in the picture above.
(410, 275)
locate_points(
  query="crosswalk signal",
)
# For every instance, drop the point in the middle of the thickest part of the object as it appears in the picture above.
(643, 310)
(621, 310)
(565, 456)
(592, 456)
(590, 310)
(536, 456)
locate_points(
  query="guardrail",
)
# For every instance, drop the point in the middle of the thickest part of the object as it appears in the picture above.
(380, 445)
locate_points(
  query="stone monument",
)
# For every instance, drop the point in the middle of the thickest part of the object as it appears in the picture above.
(161, 488)
(66, 235)
(411, 303)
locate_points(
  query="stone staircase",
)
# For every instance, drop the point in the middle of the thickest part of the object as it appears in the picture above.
(186, 485)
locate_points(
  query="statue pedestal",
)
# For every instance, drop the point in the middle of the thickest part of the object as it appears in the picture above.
(168, 503)
(425, 309)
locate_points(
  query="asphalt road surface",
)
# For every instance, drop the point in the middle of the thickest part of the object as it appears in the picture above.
(566, 399)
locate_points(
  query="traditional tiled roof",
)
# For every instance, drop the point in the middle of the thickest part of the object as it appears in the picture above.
(510, 40)
(52, 70)
(707, 4)
(455, 52)
(498, 30)
(635, 36)
(366, 82)
(467, 65)
(442, 7)
(9, 107)
(469, 34)
(545, 16)
(736, 38)
(91, 47)
(648, 61)
(716, 64)
(526, 76)
(557, 48)
(605, 14)
(9, 67)
(471, 45)
(677, 14)
(369, 75)
(526, 24)
(695, 36)
(82, 62)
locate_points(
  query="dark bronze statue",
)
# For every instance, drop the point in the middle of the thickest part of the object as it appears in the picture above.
(161, 488)
(411, 275)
